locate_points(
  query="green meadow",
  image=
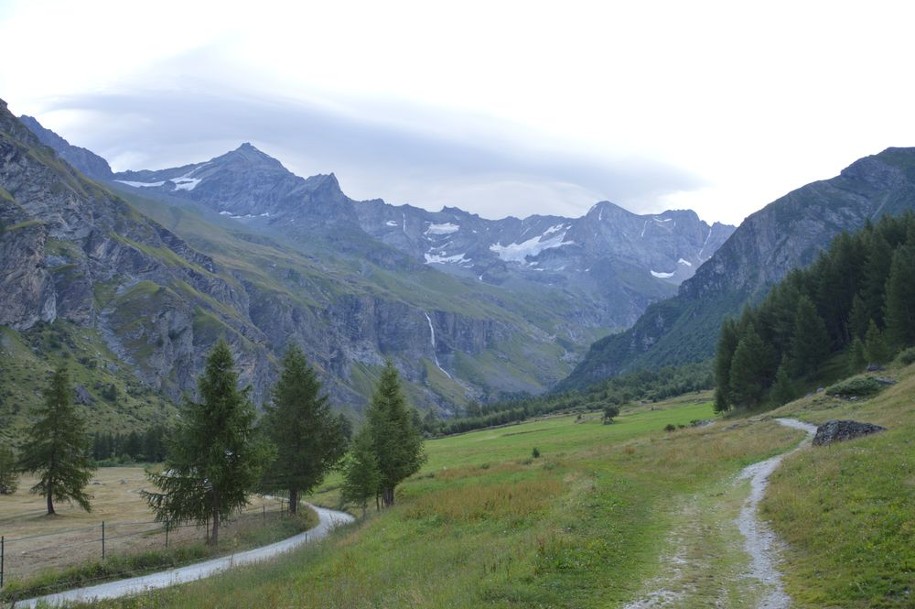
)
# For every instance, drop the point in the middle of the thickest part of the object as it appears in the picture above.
(611, 514)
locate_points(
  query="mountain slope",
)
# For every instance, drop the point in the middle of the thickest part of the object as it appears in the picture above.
(469, 309)
(786, 234)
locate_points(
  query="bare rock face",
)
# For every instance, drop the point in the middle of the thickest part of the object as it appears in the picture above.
(838, 431)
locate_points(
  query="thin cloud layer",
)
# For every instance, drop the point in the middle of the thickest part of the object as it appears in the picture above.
(454, 164)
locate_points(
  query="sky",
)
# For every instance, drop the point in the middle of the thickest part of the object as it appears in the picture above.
(497, 107)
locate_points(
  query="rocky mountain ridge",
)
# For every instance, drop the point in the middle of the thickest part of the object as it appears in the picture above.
(786, 234)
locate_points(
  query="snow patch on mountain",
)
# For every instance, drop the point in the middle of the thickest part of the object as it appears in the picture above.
(141, 184)
(662, 275)
(684, 262)
(519, 252)
(434, 258)
(442, 229)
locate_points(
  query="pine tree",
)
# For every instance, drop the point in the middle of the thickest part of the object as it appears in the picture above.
(858, 318)
(875, 347)
(58, 448)
(900, 299)
(810, 345)
(727, 343)
(783, 390)
(361, 476)
(308, 438)
(216, 458)
(750, 369)
(857, 356)
(397, 443)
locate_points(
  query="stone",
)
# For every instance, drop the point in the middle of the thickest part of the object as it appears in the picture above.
(837, 431)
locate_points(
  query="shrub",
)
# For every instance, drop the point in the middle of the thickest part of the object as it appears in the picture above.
(906, 357)
(535, 453)
(856, 387)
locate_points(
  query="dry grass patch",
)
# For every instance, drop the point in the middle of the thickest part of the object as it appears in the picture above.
(36, 542)
(512, 501)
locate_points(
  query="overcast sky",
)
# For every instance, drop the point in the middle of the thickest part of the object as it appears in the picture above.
(500, 108)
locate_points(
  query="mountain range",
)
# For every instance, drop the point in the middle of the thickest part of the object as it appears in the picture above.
(153, 266)
(788, 233)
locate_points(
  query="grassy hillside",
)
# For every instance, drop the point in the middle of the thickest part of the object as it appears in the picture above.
(847, 510)
(116, 401)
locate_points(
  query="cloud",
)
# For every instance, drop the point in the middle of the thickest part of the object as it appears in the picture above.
(435, 159)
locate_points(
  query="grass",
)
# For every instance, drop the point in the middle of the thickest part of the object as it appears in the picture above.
(610, 513)
(484, 524)
(47, 553)
(847, 510)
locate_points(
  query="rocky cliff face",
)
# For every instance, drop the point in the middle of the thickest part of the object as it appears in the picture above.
(73, 251)
(786, 234)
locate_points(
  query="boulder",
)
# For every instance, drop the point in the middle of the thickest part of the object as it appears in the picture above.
(837, 431)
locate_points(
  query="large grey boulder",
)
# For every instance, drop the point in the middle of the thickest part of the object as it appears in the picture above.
(837, 431)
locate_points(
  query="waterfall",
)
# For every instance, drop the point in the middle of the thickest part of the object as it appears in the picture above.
(432, 338)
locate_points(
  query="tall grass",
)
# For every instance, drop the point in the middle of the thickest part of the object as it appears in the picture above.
(847, 510)
(484, 525)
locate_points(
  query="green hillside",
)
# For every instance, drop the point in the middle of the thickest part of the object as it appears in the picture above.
(596, 520)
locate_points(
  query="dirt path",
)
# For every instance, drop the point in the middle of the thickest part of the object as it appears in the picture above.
(327, 520)
(719, 553)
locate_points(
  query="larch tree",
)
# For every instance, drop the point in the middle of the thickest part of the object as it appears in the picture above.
(309, 440)
(361, 476)
(58, 447)
(396, 441)
(216, 458)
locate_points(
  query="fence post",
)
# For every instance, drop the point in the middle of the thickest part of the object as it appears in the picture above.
(2, 557)
(103, 540)
(166, 534)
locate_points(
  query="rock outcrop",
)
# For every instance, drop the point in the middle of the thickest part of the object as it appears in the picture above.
(840, 430)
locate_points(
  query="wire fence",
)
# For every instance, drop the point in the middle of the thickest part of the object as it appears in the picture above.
(30, 556)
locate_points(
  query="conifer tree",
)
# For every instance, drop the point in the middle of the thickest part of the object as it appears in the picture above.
(308, 438)
(858, 318)
(857, 356)
(727, 343)
(900, 299)
(361, 476)
(783, 390)
(58, 447)
(875, 347)
(397, 443)
(749, 375)
(216, 459)
(810, 345)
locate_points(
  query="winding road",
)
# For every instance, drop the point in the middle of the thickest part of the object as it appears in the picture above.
(327, 520)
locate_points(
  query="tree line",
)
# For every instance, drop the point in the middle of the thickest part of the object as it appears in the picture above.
(221, 452)
(641, 385)
(855, 306)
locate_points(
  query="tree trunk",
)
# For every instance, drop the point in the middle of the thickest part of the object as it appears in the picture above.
(387, 496)
(50, 502)
(293, 501)
(214, 538)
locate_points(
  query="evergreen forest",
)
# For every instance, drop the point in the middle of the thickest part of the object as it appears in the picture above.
(854, 308)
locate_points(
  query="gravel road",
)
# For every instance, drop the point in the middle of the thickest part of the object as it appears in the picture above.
(762, 580)
(760, 541)
(327, 520)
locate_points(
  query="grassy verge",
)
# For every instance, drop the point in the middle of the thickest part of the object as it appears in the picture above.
(847, 510)
(485, 524)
